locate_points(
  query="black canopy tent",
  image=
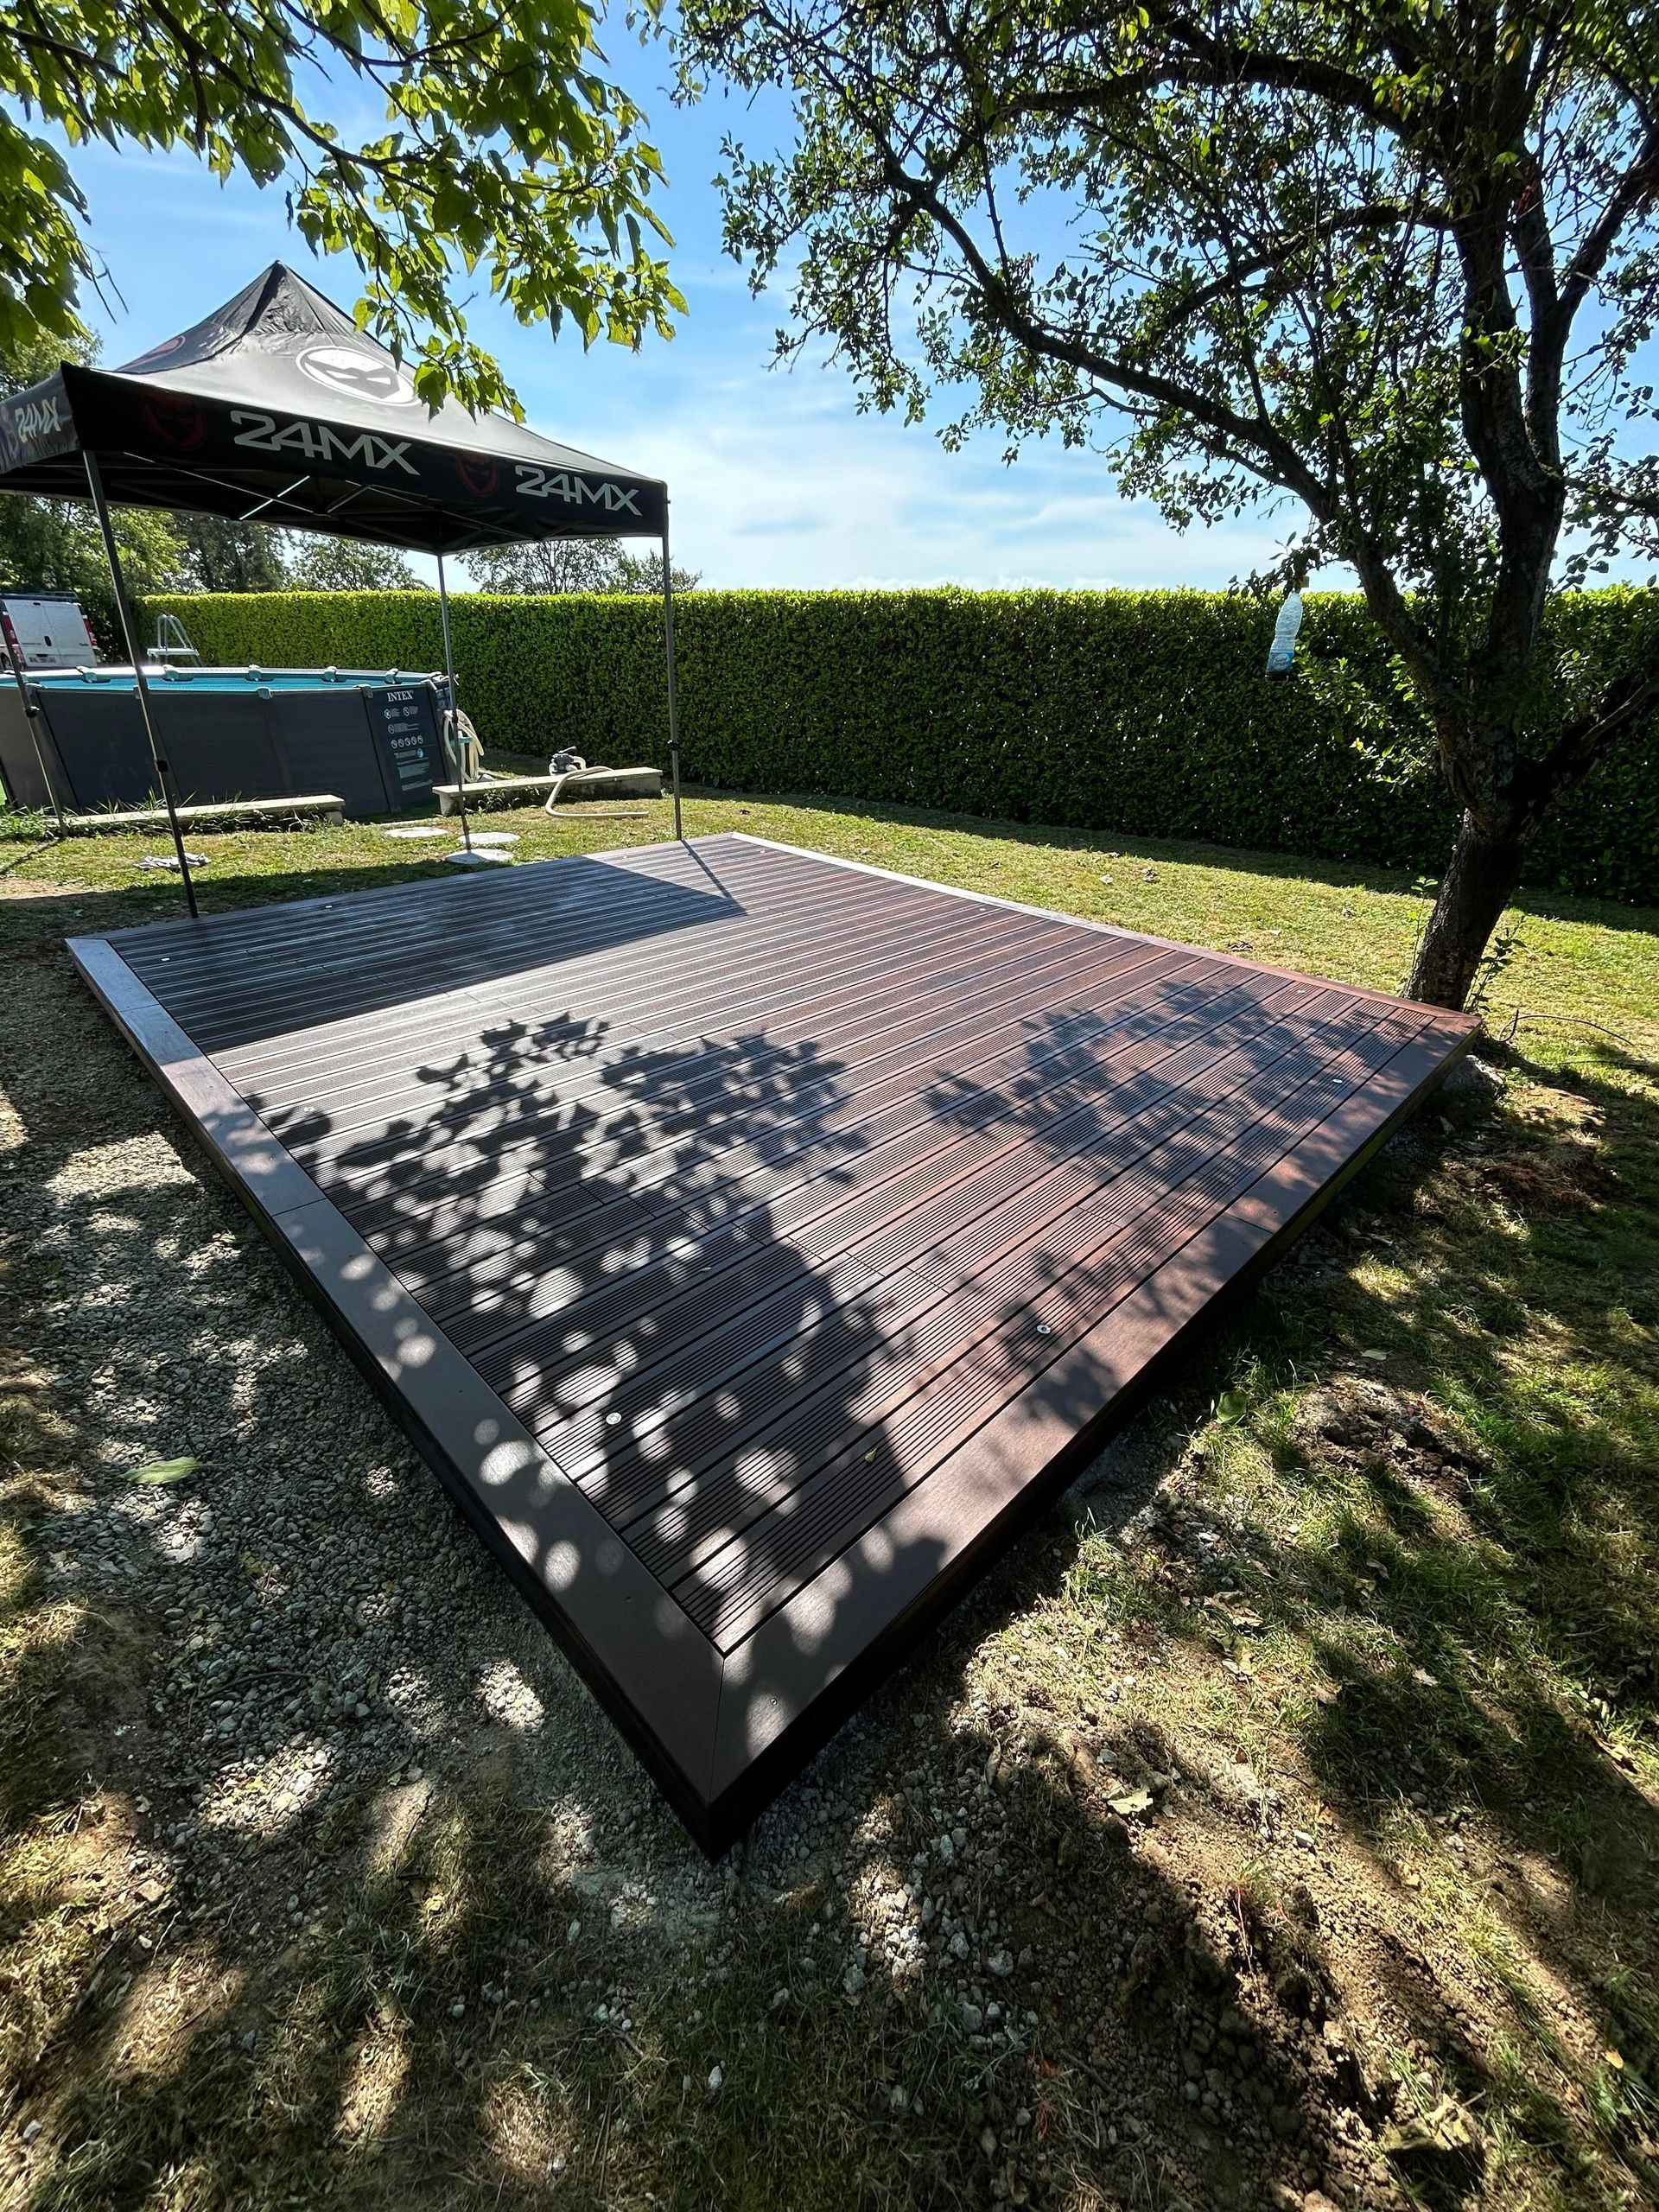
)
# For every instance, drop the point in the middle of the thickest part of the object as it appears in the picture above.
(276, 408)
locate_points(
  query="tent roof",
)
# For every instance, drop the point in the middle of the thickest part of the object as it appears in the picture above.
(276, 407)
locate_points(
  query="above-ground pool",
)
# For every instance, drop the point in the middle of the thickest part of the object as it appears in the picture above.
(369, 735)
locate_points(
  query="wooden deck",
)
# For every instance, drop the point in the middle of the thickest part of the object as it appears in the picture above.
(751, 1241)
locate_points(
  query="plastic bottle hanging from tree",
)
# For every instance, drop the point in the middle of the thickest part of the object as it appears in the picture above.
(1281, 654)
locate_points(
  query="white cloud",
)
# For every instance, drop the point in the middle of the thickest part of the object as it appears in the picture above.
(776, 478)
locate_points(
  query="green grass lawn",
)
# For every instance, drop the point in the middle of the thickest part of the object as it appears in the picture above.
(1561, 961)
(1394, 1556)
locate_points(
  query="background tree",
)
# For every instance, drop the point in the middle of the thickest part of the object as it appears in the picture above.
(345, 564)
(53, 544)
(221, 554)
(1392, 261)
(598, 564)
(503, 149)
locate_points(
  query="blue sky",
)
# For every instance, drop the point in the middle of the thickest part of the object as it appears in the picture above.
(775, 477)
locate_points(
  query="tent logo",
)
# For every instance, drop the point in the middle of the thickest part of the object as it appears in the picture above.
(575, 491)
(177, 422)
(320, 441)
(480, 477)
(38, 419)
(352, 373)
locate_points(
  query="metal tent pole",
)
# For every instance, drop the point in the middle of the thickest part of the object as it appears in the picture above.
(32, 721)
(163, 773)
(673, 702)
(454, 722)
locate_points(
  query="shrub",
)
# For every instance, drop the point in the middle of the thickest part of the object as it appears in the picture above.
(1146, 713)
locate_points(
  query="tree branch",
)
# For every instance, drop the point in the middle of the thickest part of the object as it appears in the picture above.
(1384, 216)
(1278, 461)
(1269, 72)
(1556, 305)
(1637, 188)
(1627, 702)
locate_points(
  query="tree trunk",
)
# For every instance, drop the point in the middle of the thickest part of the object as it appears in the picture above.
(1474, 891)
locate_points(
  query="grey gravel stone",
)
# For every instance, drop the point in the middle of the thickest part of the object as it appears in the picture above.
(1472, 1078)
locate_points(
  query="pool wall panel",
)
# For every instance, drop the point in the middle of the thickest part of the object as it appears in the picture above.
(375, 743)
(18, 765)
(326, 742)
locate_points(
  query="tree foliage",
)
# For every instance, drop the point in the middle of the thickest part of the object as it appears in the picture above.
(221, 555)
(574, 564)
(500, 145)
(347, 564)
(1390, 269)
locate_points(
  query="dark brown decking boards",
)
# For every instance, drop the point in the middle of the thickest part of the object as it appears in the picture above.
(753, 1242)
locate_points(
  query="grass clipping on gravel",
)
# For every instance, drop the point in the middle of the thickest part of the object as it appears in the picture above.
(1326, 1728)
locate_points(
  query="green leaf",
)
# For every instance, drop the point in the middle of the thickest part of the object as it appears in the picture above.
(497, 139)
(161, 1473)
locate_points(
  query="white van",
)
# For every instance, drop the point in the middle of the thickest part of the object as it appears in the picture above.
(44, 630)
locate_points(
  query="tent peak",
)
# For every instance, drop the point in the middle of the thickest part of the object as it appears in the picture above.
(267, 315)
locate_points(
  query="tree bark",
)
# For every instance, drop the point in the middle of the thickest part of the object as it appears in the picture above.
(1476, 886)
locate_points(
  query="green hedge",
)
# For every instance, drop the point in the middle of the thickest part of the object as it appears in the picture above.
(1141, 712)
